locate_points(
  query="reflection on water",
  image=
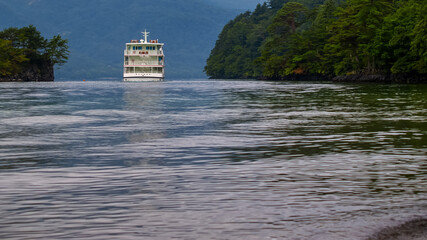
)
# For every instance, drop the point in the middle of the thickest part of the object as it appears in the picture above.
(210, 159)
(147, 105)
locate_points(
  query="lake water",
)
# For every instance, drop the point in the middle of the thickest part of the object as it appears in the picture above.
(210, 159)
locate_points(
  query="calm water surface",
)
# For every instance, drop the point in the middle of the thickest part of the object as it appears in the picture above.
(210, 159)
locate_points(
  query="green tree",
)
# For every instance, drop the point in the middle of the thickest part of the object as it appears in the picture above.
(57, 50)
(419, 43)
(276, 4)
(358, 36)
(350, 47)
(22, 46)
(11, 58)
(286, 20)
(238, 45)
(281, 31)
(400, 42)
(27, 38)
(306, 49)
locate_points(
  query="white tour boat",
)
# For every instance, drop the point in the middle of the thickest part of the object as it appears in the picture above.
(144, 60)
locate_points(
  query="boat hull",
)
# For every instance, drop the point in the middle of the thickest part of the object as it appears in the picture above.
(143, 79)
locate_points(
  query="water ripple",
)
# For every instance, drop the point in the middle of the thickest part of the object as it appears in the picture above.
(210, 159)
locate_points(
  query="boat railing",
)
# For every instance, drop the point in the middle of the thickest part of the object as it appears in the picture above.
(143, 63)
(145, 52)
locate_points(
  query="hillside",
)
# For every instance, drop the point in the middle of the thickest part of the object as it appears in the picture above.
(98, 29)
(352, 40)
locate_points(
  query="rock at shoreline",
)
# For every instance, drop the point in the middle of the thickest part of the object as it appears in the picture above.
(381, 78)
(33, 72)
(412, 230)
(356, 78)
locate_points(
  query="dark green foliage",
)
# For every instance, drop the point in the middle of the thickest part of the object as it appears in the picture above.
(238, 52)
(282, 36)
(11, 58)
(19, 46)
(356, 36)
(352, 35)
(238, 45)
(57, 50)
(406, 31)
(287, 19)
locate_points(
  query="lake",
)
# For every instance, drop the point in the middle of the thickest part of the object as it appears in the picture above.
(206, 159)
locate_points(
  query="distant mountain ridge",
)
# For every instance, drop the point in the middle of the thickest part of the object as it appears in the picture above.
(98, 30)
(237, 4)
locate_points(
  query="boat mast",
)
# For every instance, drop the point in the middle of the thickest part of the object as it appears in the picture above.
(145, 33)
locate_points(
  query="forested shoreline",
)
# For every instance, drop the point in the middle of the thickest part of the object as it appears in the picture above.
(27, 56)
(353, 40)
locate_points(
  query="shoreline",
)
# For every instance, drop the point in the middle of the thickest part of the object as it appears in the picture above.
(406, 78)
(32, 72)
(382, 78)
(415, 229)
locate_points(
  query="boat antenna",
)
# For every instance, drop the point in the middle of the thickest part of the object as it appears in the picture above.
(145, 33)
